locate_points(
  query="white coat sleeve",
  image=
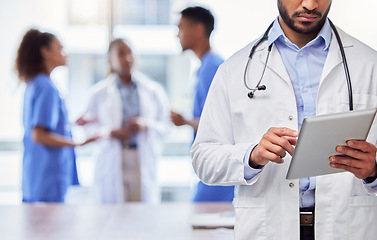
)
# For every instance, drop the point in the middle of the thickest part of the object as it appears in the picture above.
(92, 113)
(216, 157)
(161, 123)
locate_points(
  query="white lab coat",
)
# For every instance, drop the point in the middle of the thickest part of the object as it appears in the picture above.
(105, 105)
(267, 206)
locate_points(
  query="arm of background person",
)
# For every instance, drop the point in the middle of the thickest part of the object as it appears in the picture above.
(43, 136)
(161, 124)
(179, 120)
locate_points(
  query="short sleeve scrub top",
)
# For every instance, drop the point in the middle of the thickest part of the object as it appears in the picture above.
(47, 171)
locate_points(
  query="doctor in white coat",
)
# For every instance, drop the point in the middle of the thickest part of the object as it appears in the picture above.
(248, 141)
(133, 114)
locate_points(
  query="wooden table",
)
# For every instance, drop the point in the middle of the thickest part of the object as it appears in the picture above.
(134, 221)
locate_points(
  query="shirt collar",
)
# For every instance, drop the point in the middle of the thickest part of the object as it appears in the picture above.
(120, 83)
(277, 33)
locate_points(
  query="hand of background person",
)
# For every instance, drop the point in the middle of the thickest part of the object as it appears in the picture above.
(84, 120)
(136, 124)
(359, 158)
(89, 140)
(121, 133)
(177, 119)
(273, 146)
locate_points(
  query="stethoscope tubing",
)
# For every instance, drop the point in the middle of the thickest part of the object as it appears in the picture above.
(265, 38)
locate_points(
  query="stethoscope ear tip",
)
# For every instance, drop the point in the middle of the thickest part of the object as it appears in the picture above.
(250, 94)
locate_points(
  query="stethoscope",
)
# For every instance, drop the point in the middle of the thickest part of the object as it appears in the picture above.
(260, 87)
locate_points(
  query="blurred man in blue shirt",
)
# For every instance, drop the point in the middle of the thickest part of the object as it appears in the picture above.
(195, 28)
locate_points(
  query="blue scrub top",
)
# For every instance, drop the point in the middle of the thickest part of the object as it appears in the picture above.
(206, 72)
(210, 62)
(47, 171)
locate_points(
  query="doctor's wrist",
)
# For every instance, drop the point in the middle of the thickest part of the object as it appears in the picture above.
(255, 165)
(252, 163)
(373, 176)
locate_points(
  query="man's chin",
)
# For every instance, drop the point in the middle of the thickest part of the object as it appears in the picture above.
(307, 27)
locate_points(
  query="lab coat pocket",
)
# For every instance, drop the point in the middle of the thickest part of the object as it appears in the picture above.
(360, 101)
(362, 217)
(250, 218)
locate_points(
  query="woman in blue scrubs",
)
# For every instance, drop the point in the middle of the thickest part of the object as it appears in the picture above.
(49, 164)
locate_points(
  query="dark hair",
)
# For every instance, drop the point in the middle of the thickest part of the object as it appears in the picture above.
(200, 15)
(29, 61)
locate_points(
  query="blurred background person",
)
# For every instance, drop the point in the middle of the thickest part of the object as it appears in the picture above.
(133, 112)
(195, 27)
(49, 163)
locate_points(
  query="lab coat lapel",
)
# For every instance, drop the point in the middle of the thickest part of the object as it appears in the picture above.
(334, 57)
(275, 63)
(114, 103)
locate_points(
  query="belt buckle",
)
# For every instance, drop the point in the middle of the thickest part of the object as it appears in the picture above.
(307, 219)
(131, 146)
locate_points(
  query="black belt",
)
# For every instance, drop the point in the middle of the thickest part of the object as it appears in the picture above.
(130, 145)
(307, 217)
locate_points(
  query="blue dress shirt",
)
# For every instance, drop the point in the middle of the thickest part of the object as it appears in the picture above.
(304, 67)
(130, 103)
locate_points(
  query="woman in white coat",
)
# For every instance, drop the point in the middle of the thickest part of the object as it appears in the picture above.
(267, 205)
(132, 113)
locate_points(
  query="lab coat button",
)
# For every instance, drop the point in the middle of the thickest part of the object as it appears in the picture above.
(290, 118)
(291, 185)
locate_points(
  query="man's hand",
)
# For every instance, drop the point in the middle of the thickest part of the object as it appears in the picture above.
(273, 146)
(177, 119)
(121, 134)
(136, 124)
(359, 159)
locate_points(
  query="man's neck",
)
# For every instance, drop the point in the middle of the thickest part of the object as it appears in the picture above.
(202, 49)
(126, 80)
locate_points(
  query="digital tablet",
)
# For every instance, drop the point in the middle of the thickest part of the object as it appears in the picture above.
(320, 135)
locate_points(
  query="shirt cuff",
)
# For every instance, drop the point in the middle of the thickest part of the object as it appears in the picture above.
(370, 183)
(250, 172)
